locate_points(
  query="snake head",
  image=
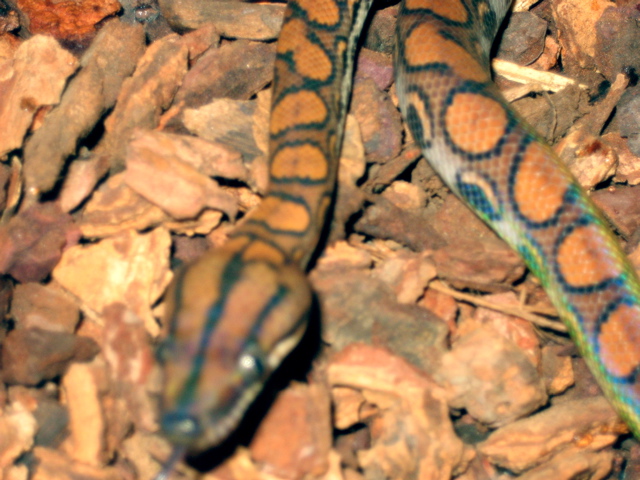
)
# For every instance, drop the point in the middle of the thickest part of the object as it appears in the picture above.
(231, 321)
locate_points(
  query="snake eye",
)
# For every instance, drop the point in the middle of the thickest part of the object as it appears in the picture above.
(251, 366)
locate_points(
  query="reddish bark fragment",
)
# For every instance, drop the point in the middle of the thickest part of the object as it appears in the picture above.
(32, 242)
(32, 355)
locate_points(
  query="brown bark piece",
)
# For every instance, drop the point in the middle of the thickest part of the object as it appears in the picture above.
(17, 431)
(491, 377)
(411, 227)
(441, 304)
(231, 19)
(352, 166)
(91, 92)
(87, 423)
(34, 79)
(590, 160)
(380, 36)
(229, 122)
(131, 267)
(206, 223)
(175, 186)
(144, 96)
(45, 307)
(82, 177)
(294, 439)
(32, 242)
(620, 205)
(591, 465)
(628, 170)
(360, 308)
(379, 120)
(347, 407)
(474, 256)
(408, 275)
(342, 254)
(51, 465)
(523, 39)
(627, 119)
(17, 472)
(412, 434)
(586, 386)
(550, 56)
(554, 115)
(587, 424)
(210, 159)
(383, 175)
(594, 163)
(131, 360)
(9, 22)
(240, 466)
(405, 195)
(376, 66)
(236, 70)
(617, 45)
(73, 22)
(146, 452)
(521, 332)
(557, 370)
(579, 32)
(200, 40)
(51, 416)
(116, 208)
(30, 356)
(632, 468)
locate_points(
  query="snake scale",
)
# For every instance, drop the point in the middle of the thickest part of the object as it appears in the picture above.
(239, 310)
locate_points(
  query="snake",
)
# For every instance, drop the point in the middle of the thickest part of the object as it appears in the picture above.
(239, 310)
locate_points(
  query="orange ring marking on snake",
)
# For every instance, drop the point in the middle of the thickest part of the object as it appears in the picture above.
(259, 250)
(324, 13)
(583, 259)
(297, 109)
(283, 215)
(619, 341)
(475, 123)
(441, 50)
(300, 161)
(540, 185)
(311, 61)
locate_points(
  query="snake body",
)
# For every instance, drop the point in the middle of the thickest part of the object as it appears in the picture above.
(239, 310)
